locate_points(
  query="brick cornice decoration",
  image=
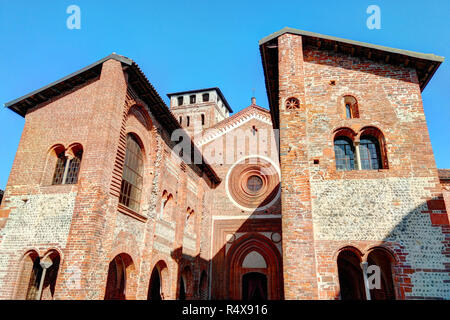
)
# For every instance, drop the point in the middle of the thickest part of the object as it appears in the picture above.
(233, 122)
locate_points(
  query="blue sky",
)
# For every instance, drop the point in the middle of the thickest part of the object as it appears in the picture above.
(183, 45)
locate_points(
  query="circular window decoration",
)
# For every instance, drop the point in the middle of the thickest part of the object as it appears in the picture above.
(292, 103)
(276, 237)
(252, 183)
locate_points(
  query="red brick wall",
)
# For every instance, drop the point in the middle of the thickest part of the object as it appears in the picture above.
(326, 209)
(298, 245)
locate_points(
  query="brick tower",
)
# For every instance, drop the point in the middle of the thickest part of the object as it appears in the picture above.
(197, 110)
(360, 186)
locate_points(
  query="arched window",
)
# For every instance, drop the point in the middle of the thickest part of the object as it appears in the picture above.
(38, 276)
(344, 153)
(203, 119)
(165, 204)
(119, 271)
(68, 166)
(60, 168)
(154, 291)
(348, 111)
(351, 107)
(385, 290)
(130, 190)
(188, 121)
(370, 153)
(181, 120)
(158, 281)
(50, 264)
(351, 280)
(190, 221)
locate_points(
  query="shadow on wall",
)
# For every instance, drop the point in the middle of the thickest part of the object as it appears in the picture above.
(413, 259)
(247, 268)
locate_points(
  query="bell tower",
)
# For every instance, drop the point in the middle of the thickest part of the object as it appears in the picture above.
(197, 110)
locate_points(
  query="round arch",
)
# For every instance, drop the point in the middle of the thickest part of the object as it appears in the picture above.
(159, 282)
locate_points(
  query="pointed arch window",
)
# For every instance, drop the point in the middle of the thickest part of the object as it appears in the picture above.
(132, 176)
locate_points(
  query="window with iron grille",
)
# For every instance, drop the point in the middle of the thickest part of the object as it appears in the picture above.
(344, 154)
(130, 190)
(370, 153)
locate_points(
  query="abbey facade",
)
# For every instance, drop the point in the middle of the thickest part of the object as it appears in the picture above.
(333, 193)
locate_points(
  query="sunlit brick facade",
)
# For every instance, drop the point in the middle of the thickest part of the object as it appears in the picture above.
(102, 203)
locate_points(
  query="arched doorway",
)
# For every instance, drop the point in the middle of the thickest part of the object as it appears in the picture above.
(118, 273)
(254, 269)
(254, 287)
(383, 260)
(351, 279)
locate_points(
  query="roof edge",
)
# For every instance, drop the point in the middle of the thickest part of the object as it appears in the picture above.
(113, 56)
(425, 56)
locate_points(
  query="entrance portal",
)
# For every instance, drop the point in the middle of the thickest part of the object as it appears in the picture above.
(254, 287)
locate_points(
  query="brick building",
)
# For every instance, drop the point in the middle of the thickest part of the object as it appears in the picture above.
(112, 195)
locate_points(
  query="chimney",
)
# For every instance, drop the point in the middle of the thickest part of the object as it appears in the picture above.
(253, 101)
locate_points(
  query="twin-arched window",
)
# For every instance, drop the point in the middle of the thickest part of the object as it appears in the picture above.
(367, 154)
(132, 176)
(67, 165)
